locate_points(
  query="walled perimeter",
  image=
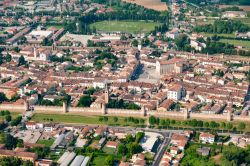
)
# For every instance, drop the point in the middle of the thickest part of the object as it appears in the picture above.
(122, 112)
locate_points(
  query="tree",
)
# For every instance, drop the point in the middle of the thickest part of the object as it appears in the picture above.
(85, 101)
(182, 42)
(134, 148)
(2, 97)
(115, 119)
(135, 43)
(139, 136)
(8, 58)
(152, 120)
(8, 118)
(122, 149)
(109, 160)
(229, 126)
(241, 126)
(21, 61)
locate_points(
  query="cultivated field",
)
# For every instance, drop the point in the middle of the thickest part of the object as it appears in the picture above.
(245, 8)
(150, 4)
(125, 26)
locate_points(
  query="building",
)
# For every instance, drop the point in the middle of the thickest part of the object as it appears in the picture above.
(234, 14)
(112, 144)
(149, 141)
(174, 65)
(22, 155)
(31, 125)
(174, 33)
(207, 138)
(175, 92)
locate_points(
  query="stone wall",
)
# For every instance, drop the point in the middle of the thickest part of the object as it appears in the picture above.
(120, 112)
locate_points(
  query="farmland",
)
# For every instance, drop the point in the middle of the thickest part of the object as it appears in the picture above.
(150, 4)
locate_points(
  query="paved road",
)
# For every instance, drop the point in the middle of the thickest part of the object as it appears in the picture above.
(161, 151)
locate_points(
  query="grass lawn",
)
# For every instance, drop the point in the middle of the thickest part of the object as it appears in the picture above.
(98, 160)
(109, 150)
(78, 119)
(125, 26)
(237, 42)
(47, 143)
(55, 26)
(222, 35)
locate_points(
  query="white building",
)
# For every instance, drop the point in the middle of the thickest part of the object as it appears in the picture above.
(149, 140)
(175, 92)
(207, 138)
(174, 33)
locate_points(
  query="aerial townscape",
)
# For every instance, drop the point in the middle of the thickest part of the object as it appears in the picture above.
(124, 82)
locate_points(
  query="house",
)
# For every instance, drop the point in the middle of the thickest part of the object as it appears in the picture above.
(100, 131)
(207, 138)
(174, 150)
(112, 144)
(204, 151)
(138, 159)
(48, 128)
(175, 92)
(173, 34)
(22, 155)
(197, 45)
(166, 105)
(44, 162)
(30, 125)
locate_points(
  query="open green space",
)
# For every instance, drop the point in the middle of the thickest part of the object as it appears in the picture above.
(109, 150)
(125, 26)
(78, 119)
(221, 35)
(55, 26)
(242, 43)
(99, 160)
(47, 143)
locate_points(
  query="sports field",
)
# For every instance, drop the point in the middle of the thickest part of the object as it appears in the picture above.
(125, 26)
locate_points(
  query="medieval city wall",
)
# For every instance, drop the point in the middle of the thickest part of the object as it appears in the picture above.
(120, 112)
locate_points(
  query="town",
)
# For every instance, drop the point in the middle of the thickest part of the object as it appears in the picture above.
(104, 82)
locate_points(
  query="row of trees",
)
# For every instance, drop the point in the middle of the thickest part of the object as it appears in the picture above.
(196, 123)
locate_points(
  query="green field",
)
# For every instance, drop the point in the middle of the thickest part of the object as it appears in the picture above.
(125, 26)
(78, 119)
(109, 150)
(47, 143)
(237, 42)
(222, 35)
(242, 43)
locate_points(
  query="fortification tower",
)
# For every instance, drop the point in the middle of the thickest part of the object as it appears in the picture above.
(65, 107)
(106, 95)
(186, 114)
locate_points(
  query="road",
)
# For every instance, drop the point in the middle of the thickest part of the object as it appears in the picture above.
(161, 150)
